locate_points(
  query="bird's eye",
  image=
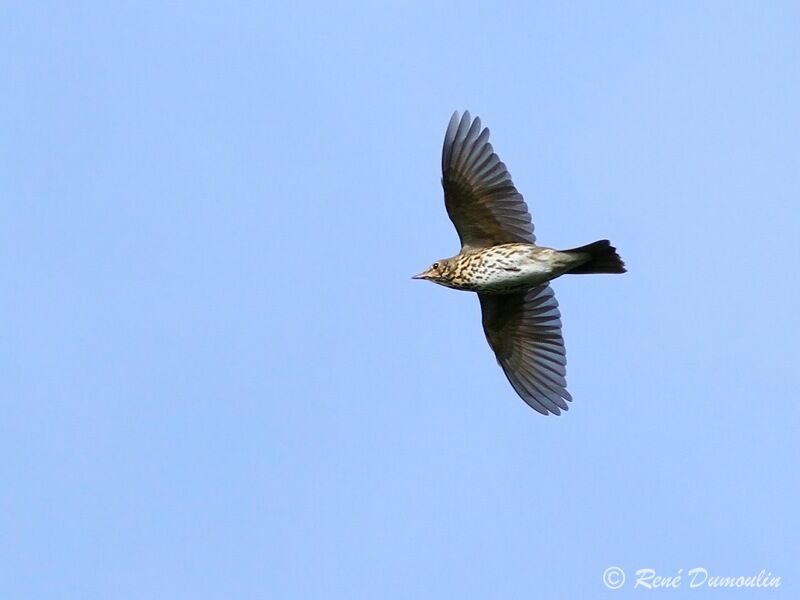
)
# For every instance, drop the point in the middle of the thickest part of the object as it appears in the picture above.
(435, 265)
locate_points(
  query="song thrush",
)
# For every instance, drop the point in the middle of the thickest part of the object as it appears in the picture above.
(500, 261)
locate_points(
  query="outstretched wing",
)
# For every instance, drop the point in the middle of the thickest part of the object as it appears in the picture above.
(524, 330)
(480, 197)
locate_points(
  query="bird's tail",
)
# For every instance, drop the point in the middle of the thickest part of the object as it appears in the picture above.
(601, 257)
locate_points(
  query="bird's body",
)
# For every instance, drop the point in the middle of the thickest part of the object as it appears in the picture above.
(500, 260)
(505, 268)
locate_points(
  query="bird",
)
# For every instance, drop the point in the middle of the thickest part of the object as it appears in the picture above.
(500, 261)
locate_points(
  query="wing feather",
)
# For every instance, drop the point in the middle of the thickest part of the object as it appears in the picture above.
(479, 195)
(524, 330)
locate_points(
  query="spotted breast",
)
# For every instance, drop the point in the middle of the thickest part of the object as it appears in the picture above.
(508, 268)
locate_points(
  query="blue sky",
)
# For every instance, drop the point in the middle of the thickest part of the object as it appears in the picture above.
(219, 381)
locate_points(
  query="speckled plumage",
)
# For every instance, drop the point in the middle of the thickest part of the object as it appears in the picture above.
(500, 260)
(502, 269)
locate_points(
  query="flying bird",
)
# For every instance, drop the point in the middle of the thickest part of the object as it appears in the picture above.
(500, 260)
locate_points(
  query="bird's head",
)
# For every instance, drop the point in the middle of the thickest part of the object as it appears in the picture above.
(439, 272)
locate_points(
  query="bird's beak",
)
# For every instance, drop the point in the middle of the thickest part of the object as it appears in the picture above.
(421, 275)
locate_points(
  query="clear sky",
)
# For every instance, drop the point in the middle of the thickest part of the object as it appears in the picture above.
(219, 381)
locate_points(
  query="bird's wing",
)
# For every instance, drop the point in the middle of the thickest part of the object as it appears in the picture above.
(480, 197)
(524, 330)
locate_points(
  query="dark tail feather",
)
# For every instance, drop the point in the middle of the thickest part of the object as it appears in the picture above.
(601, 257)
